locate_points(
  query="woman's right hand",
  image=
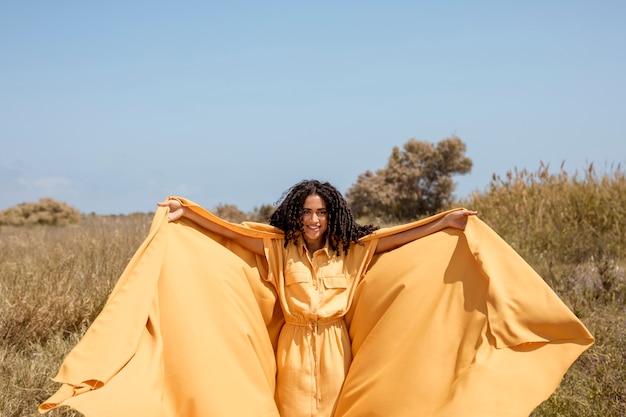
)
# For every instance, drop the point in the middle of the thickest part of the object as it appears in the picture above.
(177, 210)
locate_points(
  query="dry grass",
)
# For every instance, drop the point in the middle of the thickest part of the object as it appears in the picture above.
(54, 280)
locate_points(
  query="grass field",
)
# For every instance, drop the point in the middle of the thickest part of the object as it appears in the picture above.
(55, 279)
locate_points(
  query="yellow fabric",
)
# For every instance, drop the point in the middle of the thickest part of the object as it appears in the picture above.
(453, 324)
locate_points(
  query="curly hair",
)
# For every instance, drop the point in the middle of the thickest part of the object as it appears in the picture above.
(342, 228)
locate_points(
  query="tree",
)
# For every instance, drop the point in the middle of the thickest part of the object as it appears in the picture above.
(417, 181)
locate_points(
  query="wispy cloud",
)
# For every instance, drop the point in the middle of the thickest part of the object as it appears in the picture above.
(45, 185)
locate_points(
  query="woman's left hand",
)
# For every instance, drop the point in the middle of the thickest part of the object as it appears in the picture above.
(458, 219)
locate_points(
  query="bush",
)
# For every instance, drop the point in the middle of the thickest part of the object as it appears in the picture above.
(45, 212)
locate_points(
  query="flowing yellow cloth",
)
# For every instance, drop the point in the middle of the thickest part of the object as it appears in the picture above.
(453, 324)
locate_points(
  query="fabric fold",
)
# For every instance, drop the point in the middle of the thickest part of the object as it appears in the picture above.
(456, 324)
(186, 331)
(123, 319)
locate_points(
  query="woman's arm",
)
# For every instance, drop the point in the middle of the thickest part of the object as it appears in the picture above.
(177, 211)
(456, 219)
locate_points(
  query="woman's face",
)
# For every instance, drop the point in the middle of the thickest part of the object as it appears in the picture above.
(314, 222)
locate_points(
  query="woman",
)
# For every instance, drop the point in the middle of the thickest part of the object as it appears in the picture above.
(315, 268)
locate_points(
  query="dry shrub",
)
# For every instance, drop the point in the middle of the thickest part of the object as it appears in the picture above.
(557, 218)
(46, 211)
(230, 212)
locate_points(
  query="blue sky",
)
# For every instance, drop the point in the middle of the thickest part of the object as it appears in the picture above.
(112, 106)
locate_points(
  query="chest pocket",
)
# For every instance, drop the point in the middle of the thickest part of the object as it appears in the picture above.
(297, 273)
(337, 281)
(333, 275)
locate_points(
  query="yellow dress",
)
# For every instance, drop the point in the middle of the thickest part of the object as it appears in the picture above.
(453, 324)
(314, 352)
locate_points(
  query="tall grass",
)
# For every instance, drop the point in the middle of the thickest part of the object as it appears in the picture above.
(54, 281)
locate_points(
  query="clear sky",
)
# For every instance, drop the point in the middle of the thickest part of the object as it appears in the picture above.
(111, 106)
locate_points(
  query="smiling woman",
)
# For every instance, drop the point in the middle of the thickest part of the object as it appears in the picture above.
(316, 315)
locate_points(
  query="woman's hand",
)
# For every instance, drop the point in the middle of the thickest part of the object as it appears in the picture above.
(458, 219)
(177, 210)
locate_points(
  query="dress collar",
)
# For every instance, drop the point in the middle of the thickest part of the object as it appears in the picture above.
(304, 250)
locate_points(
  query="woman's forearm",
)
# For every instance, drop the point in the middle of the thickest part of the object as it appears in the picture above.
(456, 219)
(177, 210)
(253, 244)
(394, 241)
